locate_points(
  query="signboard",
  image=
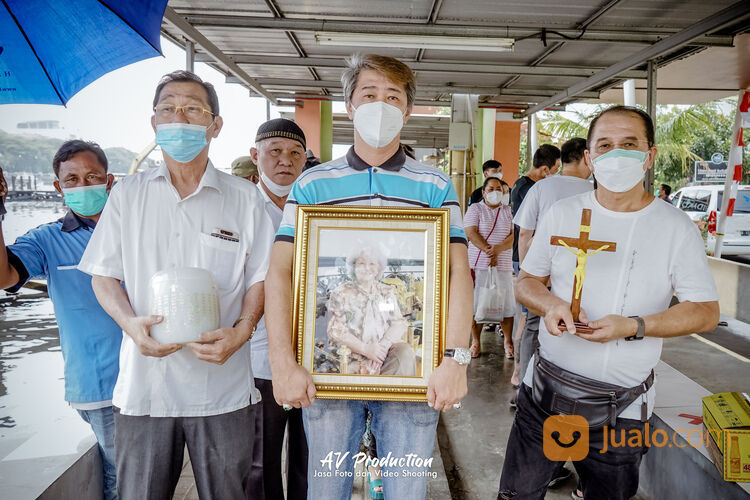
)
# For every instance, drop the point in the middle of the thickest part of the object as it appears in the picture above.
(710, 171)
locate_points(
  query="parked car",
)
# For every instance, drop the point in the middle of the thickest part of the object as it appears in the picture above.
(704, 203)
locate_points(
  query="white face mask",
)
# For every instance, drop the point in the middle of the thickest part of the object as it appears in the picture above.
(378, 123)
(494, 197)
(498, 176)
(276, 189)
(505, 200)
(619, 170)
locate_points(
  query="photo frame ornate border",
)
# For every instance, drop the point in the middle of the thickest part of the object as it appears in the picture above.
(435, 224)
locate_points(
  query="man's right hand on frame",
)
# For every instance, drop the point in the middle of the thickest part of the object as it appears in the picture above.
(293, 385)
(139, 329)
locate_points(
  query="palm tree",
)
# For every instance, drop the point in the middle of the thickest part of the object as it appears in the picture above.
(677, 129)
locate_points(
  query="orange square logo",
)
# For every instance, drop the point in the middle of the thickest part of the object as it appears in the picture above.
(566, 437)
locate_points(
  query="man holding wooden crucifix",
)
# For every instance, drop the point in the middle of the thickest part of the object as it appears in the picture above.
(605, 314)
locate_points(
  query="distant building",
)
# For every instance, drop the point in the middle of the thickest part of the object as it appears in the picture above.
(45, 128)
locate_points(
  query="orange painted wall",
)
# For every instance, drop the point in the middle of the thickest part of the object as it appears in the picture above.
(507, 148)
(308, 118)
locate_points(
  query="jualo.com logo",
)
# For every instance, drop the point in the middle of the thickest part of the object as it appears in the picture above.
(566, 437)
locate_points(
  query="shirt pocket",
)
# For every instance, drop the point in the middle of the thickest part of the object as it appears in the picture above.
(222, 258)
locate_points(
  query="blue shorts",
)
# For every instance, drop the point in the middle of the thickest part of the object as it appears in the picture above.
(516, 270)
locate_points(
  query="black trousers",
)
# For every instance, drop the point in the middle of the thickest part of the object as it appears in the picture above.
(271, 421)
(604, 476)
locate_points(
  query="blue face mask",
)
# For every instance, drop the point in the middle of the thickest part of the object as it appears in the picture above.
(86, 200)
(181, 141)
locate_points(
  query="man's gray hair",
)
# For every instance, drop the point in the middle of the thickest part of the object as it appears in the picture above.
(187, 76)
(393, 69)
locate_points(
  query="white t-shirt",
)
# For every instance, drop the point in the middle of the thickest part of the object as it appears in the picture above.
(659, 254)
(259, 342)
(145, 228)
(544, 194)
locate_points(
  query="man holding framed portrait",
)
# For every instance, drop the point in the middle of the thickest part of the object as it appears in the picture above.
(375, 172)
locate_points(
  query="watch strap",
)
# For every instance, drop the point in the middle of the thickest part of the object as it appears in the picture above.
(640, 332)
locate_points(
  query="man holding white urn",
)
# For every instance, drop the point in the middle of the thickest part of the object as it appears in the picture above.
(183, 214)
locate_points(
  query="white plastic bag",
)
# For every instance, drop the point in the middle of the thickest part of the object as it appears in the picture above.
(490, 299)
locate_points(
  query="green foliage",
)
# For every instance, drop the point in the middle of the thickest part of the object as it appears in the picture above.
(684, 134)
(34, 155)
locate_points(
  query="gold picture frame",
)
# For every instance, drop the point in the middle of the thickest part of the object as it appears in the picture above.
(370, 299)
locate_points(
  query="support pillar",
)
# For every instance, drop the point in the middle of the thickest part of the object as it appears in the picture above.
(326, 131)
(507, 145)
(485, 140)
(651, 110)
(628, 92)
(190, 56)
(312, 116)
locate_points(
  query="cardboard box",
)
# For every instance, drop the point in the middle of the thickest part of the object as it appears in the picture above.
(726, 420)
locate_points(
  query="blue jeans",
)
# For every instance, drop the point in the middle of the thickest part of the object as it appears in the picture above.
(405, 433)
(102, 422)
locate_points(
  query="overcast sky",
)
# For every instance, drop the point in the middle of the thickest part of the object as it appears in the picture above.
(115, 110)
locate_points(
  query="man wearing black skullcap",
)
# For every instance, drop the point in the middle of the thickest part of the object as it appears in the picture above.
(280, 155)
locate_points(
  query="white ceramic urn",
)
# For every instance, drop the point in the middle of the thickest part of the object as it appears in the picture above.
(188, 300)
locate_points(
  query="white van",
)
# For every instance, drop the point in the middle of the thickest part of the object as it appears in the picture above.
(705, 201)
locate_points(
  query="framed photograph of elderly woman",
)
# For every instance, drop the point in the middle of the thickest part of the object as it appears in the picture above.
(370, 299)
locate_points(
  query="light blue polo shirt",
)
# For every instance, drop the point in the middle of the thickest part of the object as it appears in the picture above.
(89, 338)
(400, 181)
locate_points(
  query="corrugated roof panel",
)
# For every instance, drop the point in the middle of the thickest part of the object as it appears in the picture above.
(221, 7)
(628, 16)
(593, 54)
(380, 10)
(234, 40)
(518, 12)
(675, 14)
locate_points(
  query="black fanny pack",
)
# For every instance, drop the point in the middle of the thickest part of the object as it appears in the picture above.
(560, 392)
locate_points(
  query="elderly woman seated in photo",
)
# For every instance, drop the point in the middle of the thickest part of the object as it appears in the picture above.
(364, 316)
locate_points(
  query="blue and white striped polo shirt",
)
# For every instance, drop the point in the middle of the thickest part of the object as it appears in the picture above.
(400, 181)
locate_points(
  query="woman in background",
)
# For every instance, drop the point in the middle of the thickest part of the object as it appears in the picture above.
(489, 227)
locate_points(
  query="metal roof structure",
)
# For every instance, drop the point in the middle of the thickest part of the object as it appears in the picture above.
(561, 52)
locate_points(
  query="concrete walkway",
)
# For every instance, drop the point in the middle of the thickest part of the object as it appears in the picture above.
(473, 438)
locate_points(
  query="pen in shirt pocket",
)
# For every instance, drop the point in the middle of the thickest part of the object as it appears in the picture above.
(225, 234)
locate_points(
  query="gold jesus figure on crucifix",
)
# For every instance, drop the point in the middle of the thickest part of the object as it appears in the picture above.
(580, 271)
(582, 248)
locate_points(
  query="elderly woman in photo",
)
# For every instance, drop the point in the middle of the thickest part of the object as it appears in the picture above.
(366, 318)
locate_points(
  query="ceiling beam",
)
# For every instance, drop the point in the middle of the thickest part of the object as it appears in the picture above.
(273, 83)
(735, 13)
(295, 99)
(188, 31)
(430, 67)
(627, 35)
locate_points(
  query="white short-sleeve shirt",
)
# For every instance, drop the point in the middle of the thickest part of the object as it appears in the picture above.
(259, 343)
(145, 228)
(659, 254)
(545, 193)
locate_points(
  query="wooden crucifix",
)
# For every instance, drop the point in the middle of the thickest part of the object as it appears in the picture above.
(580, 247)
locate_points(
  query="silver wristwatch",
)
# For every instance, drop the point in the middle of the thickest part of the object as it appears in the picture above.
(459, 354)
(640, 332)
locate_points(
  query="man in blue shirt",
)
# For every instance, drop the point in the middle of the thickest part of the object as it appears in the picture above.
(89, 338)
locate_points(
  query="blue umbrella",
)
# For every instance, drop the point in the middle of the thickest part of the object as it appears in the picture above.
(51, 49)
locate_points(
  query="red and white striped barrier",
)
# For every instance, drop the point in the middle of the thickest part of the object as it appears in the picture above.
(742, 118)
